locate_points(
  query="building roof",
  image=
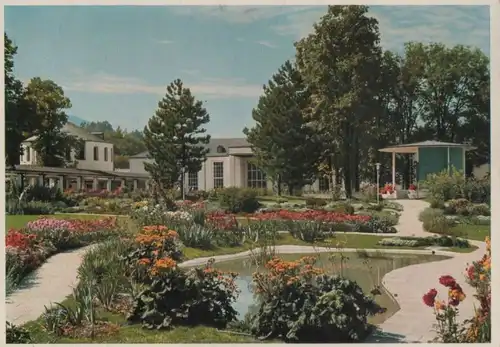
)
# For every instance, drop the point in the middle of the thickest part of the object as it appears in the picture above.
(27, 169)
(413, 147)
(77, 131)
(216, 147)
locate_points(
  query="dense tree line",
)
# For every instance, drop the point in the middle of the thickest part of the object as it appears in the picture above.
(357, 98)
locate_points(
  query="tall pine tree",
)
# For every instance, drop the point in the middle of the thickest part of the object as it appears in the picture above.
(285, 148)
(174, 137)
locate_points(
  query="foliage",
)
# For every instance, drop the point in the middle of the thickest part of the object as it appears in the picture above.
(174, 136)
(464, 207)
(339, 108)
(49, 103)
(16, 207)
(196, 236)
(235, 200)
(16, 334)
(444, 186)
(434, 221)
(315, 202)
(441, 241)
(298, 303)
(185, 297)
(286, 154)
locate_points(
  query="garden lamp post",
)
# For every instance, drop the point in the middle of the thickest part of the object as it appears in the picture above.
(377, 165)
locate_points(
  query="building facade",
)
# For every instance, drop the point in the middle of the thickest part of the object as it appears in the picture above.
(96, 154)
(228, 164)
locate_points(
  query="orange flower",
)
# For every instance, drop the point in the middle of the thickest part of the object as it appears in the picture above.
(439, 305)
(163, 264)
(144, 261)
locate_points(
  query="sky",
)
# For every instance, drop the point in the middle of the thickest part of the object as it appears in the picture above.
(114, 63)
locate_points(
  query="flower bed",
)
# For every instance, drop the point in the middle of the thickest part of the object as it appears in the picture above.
(29, 247)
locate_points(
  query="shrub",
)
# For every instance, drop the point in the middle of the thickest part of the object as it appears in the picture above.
(236, 200)
(308, 231)
(196, 236)
(479, 210)
(200, 296)
(297, 303)
(438, 225)
(344, 207)
(458, 206)
(400, 242)
(315, 202)
(442, 241)
(15, 334)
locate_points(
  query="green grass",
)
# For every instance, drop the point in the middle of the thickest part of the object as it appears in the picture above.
(136, 334)
(471, 231)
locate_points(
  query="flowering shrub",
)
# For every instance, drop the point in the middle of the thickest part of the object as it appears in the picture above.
(184, 297)
(478, 328)
(298, 302)
(28, 248)
(152, 243)
(221, 221)
(317, 215)
(412, 187)
(387, 189)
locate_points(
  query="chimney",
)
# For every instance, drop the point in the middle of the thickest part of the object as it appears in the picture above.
(98, 134)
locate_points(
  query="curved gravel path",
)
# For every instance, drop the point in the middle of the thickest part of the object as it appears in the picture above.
(54, 281)
(414, 322)
(50, 283)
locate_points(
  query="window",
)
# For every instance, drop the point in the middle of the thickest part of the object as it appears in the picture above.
(105, 153)
(218, 174)
(27, 150)
(111, 151)
(324, 185)
(81, 152)
(255, 177)
(193, 181)
(68, 154)
(96, 153)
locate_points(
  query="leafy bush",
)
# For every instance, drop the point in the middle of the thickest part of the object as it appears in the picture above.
(16, 207)
(196, 236)
(438, 225)
(15, 334)
(297, 303)
(344, 207)
(441, 241)
(200, 296)
(236, 200)
(315, 202)
(457, 206)
(444, 186)
(308, 231)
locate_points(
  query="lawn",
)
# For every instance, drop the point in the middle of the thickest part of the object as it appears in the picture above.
(471, 231)
(136, 334)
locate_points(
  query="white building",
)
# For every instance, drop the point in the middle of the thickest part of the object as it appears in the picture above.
(96, 154)
(227, 165)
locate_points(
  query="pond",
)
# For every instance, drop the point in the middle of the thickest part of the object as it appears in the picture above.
(367, 269)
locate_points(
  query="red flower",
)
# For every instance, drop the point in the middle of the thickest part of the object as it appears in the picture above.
(430, 298)
(412, 187)
(448, 281)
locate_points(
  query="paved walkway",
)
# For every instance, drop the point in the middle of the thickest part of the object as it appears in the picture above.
(50, 283)
(414, 321)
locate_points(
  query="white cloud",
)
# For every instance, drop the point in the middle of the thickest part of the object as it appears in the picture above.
(209, 88)
(164, 42)
(266, 43)
(238, 14)
(451, 25)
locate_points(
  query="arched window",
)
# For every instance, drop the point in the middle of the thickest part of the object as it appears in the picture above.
(105, 153)
(96, 153)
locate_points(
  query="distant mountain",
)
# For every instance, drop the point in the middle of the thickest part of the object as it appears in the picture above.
(76, 120)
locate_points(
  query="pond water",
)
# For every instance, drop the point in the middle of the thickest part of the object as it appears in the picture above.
(364, 268)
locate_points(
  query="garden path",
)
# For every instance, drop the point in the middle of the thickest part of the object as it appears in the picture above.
(50, 283)
(414, 321)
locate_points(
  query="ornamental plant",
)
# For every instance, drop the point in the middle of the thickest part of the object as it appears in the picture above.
(387, 189)
(152, 243)
(199, 296)
(476, 329)
(479, 277)
(297, 302)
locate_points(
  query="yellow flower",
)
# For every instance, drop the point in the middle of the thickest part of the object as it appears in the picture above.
(482, 277)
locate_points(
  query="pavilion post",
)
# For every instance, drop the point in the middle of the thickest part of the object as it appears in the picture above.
(463, 160)
(449, 166)
(393, 170)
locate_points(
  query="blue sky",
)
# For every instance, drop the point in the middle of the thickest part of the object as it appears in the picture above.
(114, 62)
